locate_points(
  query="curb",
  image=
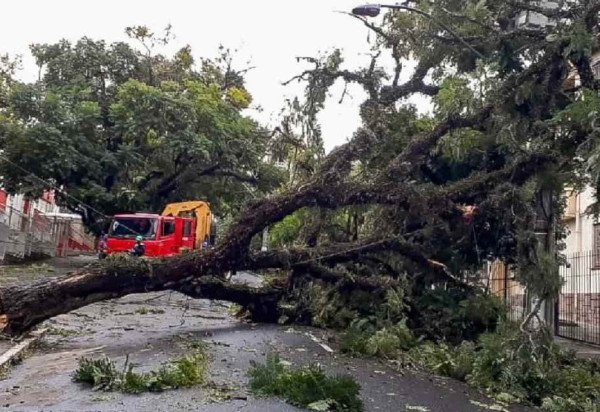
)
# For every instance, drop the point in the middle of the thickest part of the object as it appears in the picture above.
(12, 355)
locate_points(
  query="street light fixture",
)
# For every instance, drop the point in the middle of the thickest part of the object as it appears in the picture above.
(369, 10)
(373, 10)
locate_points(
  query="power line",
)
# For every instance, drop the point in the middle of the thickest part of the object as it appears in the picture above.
(61, 191)
(51, 185)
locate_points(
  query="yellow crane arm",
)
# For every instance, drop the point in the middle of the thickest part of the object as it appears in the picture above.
(197, 209)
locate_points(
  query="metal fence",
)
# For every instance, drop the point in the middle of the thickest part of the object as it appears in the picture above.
(503, 285)
(578, 306)
(577, 310)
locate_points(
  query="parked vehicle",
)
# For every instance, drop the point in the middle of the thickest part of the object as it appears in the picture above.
(180, 227)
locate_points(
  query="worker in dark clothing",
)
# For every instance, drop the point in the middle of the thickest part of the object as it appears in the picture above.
(138, 249)
(102, 246)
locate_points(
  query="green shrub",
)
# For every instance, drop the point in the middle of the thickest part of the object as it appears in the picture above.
(558, 404)
(285, 232)
(364, 338)
(380, 331)
(506, 365)
(307, 387)
(101, 374)
(492, 361)
(182, 372)
(390, 342)
(455, 362)
(328, 308)
(393, 309)
(355, 339)
(506, 362)
(454, 315)
(337, 306)
(135, 382)
(578, 385)
(463, 360)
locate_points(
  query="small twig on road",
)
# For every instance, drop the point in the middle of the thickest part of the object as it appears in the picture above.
(186, 307)
(139, 302)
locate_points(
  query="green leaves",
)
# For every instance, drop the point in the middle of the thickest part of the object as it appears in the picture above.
(181, 372)
(581, 42)
(455, 96)
(582, 111)
(307, 386)
(124, 130)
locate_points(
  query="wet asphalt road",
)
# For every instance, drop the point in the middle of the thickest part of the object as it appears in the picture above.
(135, 326)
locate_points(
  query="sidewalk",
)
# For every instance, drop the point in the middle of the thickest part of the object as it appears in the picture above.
(582, 350)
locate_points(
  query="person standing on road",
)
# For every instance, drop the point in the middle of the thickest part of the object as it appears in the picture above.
(139, 249)
(102, 246)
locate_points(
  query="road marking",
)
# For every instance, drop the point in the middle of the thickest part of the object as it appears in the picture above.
(7, 357)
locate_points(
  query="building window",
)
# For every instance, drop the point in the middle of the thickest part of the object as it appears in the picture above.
(187, 229)
(596, 243)
(168, 227)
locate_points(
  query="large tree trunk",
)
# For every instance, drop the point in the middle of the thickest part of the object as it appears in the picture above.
(23, 307)
(197, 275)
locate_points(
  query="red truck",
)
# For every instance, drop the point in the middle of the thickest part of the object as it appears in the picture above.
(181, 226)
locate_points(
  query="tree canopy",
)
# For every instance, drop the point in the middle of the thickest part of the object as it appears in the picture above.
(426, 198)
(124, 129)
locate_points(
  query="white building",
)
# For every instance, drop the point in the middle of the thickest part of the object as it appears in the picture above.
(579, 302)
(38, 228)
(534, 20)
(583, 232)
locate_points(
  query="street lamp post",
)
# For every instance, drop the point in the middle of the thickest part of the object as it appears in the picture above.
(373, 10)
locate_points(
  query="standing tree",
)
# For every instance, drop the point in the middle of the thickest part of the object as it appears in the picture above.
(125, 130)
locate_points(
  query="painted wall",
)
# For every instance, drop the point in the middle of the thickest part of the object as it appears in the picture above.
(16, 211)
(34, 227)
(580, 227)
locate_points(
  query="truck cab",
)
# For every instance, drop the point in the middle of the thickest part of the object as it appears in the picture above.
(181, 226)
(162, 235)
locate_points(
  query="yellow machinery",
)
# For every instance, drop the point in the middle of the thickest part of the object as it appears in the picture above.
(195, 209)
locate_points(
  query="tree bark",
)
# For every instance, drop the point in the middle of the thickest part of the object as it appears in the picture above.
(23, 307)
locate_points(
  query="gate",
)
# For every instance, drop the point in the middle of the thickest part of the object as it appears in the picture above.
(578, 307)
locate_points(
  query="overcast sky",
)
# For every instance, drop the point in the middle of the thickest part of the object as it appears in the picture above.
(269, 33)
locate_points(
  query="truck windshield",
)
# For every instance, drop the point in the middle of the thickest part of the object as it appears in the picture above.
(130, 227)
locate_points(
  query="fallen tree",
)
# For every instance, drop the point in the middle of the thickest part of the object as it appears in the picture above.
(427, 228)
(199, 275)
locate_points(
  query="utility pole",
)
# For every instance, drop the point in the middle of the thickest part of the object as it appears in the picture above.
(545, 225)
(545, 229)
